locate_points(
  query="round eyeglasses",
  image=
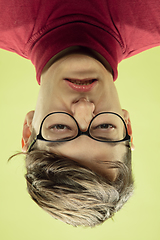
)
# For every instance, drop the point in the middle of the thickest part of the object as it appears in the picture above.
(62, 127)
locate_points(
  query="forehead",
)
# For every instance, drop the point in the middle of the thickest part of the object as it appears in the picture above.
(84, 149)
(91, 154)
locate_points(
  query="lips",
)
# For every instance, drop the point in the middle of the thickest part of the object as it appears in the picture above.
(81, 85)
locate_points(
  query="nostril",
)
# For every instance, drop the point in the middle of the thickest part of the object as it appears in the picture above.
(83, 99)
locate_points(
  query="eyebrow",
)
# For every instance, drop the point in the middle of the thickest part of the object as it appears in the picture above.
(54, 144)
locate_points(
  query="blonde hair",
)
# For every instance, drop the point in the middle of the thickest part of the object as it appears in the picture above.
(74, 194)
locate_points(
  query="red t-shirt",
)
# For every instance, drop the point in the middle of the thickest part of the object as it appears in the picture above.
(117, 29)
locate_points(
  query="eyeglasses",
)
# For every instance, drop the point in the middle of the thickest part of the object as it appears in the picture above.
(63, 127)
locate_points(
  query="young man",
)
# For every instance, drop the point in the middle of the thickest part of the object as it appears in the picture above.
(78, 120)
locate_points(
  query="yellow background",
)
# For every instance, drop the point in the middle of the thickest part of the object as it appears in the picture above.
(139, 90)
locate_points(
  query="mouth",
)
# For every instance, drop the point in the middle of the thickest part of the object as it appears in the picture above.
(81, 85)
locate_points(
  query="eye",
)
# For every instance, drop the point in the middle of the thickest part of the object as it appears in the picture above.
(104, 126)
(59, 127)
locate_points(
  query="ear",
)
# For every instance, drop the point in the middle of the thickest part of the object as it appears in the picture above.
(129, 127)
(27, 129)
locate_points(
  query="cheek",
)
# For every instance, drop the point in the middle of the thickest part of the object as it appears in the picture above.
(103, 104)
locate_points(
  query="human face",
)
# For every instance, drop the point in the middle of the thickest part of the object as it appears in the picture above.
(83, 104)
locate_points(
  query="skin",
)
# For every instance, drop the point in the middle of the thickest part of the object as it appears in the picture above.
(56, 95)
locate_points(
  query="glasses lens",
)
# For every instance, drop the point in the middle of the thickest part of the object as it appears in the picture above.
(59, 126)
(108, 127)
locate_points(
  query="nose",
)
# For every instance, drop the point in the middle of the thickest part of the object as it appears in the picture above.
(83, 112)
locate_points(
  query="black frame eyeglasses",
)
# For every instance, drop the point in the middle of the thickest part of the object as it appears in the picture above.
(79, 133)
